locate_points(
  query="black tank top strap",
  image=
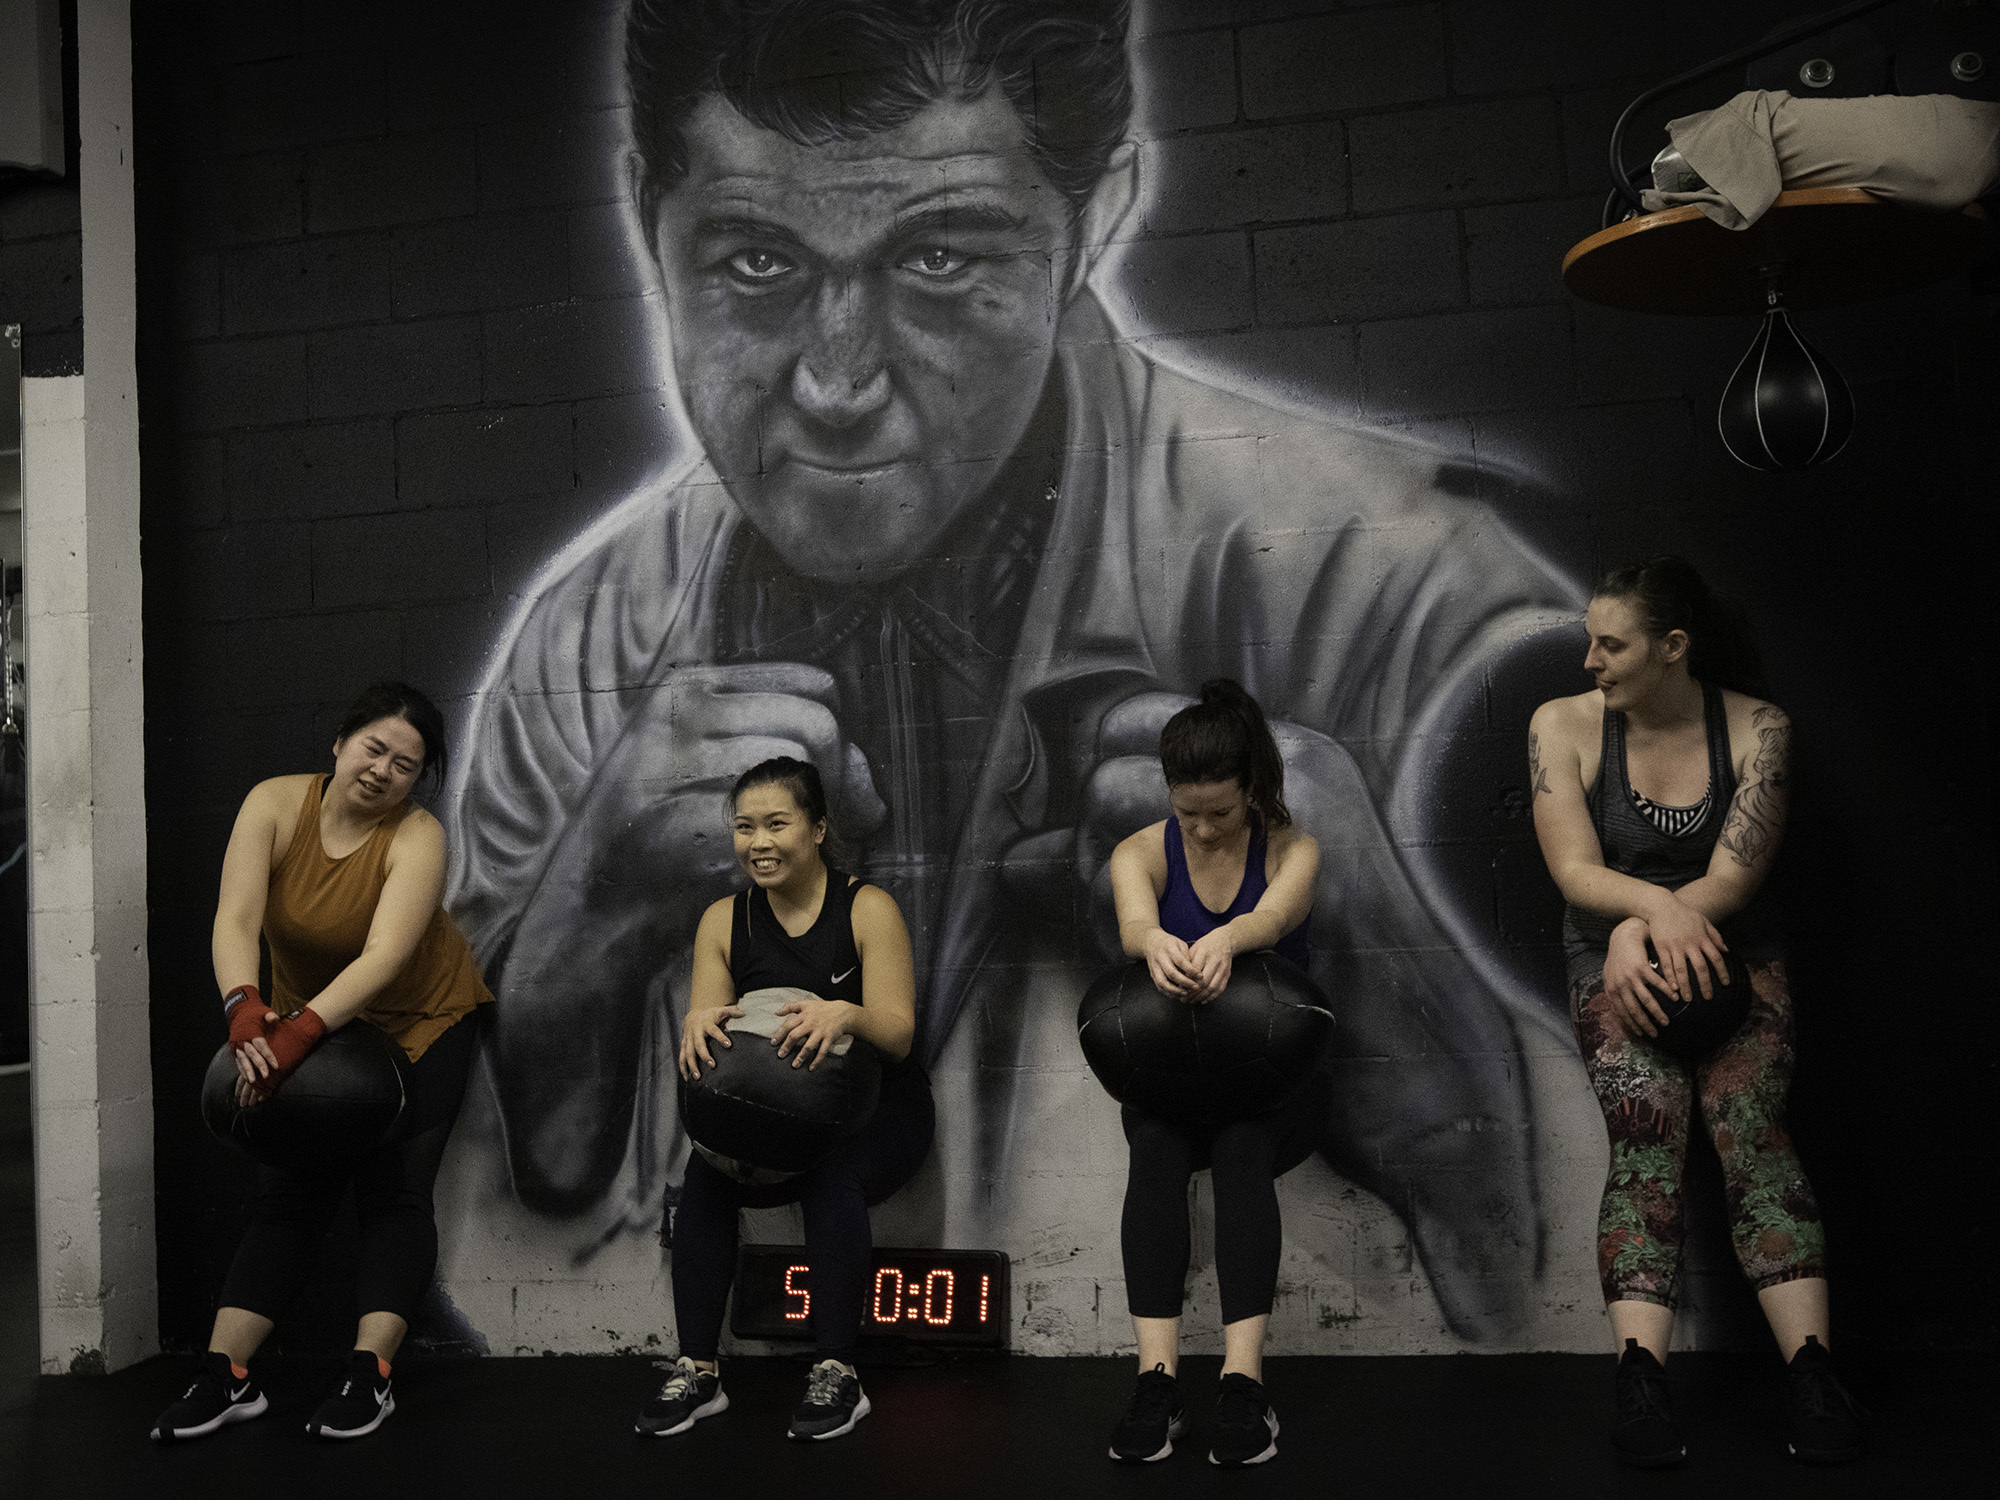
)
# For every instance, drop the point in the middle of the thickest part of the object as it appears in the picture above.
(845, 954)
(1253, 859)
(1611, 761)
(1721, 764)
(739, 934)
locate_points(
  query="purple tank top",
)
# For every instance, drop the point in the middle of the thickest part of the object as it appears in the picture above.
(1182, 913)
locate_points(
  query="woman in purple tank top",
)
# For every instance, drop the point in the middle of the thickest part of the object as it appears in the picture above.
(1226, 874)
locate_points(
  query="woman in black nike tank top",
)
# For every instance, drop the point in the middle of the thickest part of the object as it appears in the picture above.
(804, 925)
(1659, 800)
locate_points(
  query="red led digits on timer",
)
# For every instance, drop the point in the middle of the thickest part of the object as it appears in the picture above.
(950, 1281)
(895, 1307)
(933, 1301)
(804, 1296)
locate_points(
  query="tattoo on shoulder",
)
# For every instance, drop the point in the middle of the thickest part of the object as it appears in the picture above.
(1538, 776)
(1756, 818)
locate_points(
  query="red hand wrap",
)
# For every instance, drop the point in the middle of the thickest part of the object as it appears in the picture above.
(290, 1040)
(244, 1007)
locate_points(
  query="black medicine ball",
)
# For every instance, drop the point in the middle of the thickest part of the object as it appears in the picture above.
(1698, 1026)
(1239, 1056)
(757, 1118)
(344, 1102)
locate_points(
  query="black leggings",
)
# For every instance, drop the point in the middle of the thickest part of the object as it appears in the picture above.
(835, 1194)
(1247, 1159)
(392, 1200)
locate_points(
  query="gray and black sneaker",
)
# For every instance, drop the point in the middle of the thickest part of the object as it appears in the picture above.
(213, 1401)
(1826, 1420)
(1246, 1429)
(834, 1403)
(690, 1394)
(361, 1405)
(1153, 1419)
(1644, 1434)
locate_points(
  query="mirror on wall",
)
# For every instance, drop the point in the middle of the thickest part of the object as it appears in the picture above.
(13, 722)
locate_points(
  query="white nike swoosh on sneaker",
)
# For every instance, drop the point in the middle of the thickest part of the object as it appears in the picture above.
(838, 977)
(240, 1393)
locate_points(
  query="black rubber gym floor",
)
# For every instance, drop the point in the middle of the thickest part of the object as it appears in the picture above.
(1028, 1429)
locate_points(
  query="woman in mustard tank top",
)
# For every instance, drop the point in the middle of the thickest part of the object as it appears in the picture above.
(343, 877)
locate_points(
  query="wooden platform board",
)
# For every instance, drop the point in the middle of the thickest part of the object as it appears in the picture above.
(1831, 246)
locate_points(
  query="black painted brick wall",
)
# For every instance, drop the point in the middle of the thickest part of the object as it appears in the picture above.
(395, 354)
(41, 246)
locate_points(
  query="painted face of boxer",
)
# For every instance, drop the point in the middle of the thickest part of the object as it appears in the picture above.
(862, 329)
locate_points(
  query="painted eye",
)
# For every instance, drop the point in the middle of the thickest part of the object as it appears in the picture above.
(936, 261)
(758, 265)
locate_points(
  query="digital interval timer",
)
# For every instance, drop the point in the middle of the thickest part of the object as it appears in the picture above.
(937, 1296)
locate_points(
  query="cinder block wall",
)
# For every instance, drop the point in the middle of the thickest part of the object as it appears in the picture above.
(41, 254)
(396, 351)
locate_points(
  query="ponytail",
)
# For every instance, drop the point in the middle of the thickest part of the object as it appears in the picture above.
(1225, 737)
(1669, 595)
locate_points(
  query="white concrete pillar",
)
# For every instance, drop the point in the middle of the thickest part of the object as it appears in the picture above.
(86, 775)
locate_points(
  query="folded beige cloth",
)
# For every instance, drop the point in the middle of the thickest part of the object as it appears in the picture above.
(1931, 151)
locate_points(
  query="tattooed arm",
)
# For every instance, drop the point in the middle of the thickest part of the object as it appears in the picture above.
(1756, 821)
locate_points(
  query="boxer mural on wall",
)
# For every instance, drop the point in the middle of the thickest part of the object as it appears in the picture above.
(953, 536)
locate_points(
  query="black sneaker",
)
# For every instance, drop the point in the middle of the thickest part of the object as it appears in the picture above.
(1826, 1420)
(690, 1394)
(1644, 1435)
(834, 1403)
(216, 1399)
(359, 1406)
(1246, 1429)
(1153, 1419)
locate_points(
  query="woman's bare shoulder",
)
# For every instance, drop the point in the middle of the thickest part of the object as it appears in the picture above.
(871, 899)
(280, 796)
(1751, 712)
(419, 829)
(1569, 722)
(1148, 844)
(1759, 732)
(1290, 837)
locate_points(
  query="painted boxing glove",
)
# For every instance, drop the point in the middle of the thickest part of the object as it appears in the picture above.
(291, 1041)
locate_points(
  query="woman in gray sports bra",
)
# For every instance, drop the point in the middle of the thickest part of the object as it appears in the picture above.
(1659, 800)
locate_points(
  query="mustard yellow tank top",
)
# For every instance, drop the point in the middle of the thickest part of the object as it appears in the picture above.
(316, 921)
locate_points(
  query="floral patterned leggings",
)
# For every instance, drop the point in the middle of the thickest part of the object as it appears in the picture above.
(1648, 1095)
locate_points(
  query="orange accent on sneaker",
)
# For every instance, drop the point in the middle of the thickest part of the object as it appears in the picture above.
(382, 1366)
(241, 1372)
